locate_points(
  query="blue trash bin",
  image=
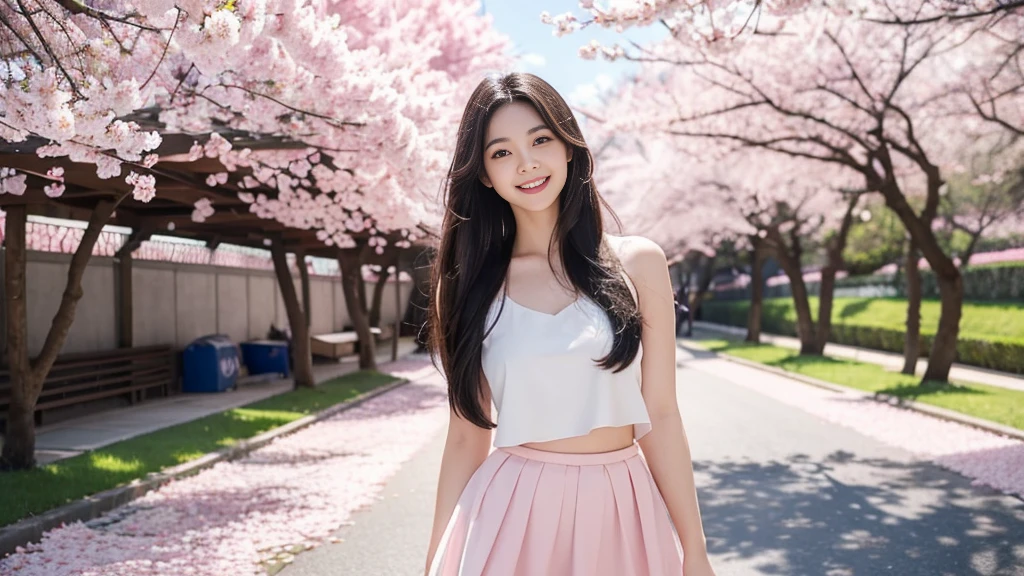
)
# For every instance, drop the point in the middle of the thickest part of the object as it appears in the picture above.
(266, 357)
(211, 364)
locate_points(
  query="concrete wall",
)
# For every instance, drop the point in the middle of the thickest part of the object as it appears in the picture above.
(262, 305)
(233, 306)
(94, 328)
(154, 305)
(321, 309)
(176, 303)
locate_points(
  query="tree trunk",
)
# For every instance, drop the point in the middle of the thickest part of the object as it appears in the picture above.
(363, 301)
(943, 354)
(691, 302)
(27, 376)
(20, 435)
(707, 274)
(946, 272)
(834, 253)
(302, 356)
(397, 328)
(350, 261)
(826, 297)
(689, 315)
(378, 296)
(912, 339)
(789, 256)
(804, 322)
(415, 317)
(307, 299)
(756, 291)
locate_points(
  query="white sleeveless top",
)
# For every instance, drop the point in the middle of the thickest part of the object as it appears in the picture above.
(545, 383)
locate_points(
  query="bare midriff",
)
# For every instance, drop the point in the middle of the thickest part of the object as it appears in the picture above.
(606, 439)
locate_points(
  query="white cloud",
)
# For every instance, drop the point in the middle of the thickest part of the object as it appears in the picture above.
(587, 93)
(534, 60)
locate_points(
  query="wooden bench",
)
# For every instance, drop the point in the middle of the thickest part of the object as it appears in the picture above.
(85, 377)
(337, 345)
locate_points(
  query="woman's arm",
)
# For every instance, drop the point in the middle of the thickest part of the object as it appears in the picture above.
(465, 448)
(665, 447)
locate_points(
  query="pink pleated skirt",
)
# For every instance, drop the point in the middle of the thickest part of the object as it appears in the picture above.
(528, 512)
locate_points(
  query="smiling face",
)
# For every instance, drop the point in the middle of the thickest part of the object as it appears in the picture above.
(524, 160)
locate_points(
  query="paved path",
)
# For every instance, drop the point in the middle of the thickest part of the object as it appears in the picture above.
(389, 538)
(782, 491)
(793, 480)
(890, 360)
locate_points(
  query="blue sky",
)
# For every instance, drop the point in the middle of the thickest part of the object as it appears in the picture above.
(556, 59)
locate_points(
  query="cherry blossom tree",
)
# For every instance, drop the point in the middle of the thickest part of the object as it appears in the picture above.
(357, 93)
(750, 197)
(364, 205)
(972, 49)
(873, 98)
(648, 198)
(793, 208)
(983, 189)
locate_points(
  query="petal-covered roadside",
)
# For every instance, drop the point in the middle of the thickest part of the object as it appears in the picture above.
(228, 519)
(987, 458)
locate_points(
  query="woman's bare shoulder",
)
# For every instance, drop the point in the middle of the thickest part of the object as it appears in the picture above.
(640, 256)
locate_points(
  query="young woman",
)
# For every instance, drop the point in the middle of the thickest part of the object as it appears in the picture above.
(570, 333)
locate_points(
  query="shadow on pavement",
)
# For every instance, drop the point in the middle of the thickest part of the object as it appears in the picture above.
(852, 516)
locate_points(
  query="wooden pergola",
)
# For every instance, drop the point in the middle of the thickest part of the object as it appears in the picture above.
(180, 183)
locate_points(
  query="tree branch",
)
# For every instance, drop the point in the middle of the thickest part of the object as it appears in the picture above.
(849, 64)
(7, 23)
(1005, 7)
(76, 7)
(328, 119)
(770, 144)
(177, 19)
(994, 117)
(49, 50)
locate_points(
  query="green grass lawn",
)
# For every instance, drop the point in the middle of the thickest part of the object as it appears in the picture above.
(981, 320)
(979, 400)
(31, 492)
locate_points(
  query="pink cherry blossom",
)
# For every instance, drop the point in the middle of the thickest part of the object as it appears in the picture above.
(144, 186)
(374, 92)
(203, 210)
(196, 152)
(12, 182)
(107, 167)
(53, 190)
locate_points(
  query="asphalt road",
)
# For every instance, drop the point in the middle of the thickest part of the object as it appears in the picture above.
(781, 493)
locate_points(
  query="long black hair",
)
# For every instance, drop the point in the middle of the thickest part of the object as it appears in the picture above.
(477, 235)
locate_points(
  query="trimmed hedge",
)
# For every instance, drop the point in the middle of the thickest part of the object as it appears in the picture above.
(990, 282)
(1005, 282)
(1003, 355)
